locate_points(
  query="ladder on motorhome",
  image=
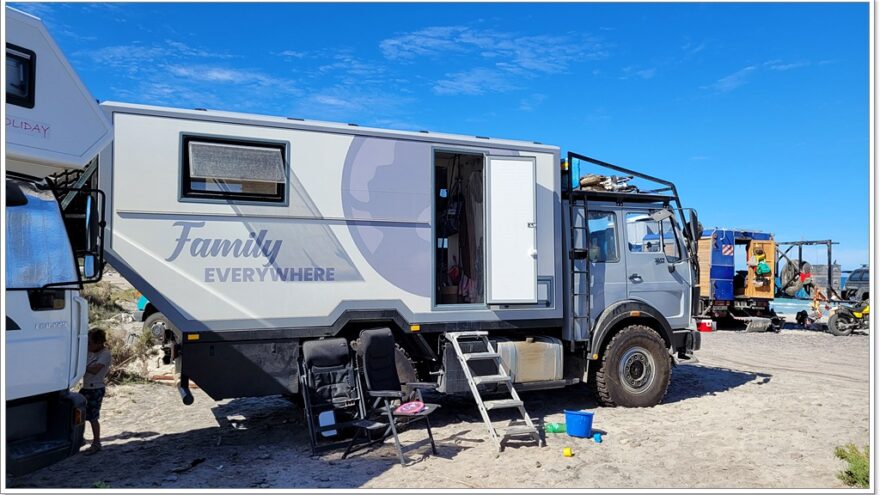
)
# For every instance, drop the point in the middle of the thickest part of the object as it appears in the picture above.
(498, 434)
(579, 265)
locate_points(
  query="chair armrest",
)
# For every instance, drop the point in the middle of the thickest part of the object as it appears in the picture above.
(388, 394)
(422, 385)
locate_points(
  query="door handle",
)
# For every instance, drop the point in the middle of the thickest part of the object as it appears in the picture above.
(635, 277)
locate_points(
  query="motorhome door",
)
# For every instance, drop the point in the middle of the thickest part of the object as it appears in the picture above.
(512, 255)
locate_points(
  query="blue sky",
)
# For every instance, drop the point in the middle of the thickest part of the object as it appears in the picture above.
(758, 112)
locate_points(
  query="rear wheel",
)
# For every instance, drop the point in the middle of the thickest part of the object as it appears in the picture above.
(840, 325)
(635, 369)
(156, 324)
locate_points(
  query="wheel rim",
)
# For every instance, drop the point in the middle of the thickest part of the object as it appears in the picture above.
(637, 370)
(158, 329)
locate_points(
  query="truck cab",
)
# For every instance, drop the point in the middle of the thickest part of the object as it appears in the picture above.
(53, 237)
(633, 275)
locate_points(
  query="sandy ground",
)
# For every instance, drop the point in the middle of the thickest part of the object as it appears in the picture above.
(759, 410)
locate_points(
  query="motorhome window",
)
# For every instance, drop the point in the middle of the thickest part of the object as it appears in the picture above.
(20, 74)
(224, 169)
(603, 237)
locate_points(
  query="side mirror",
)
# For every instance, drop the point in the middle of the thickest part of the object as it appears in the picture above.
(91, 222)
(90, 266)
(696, 230)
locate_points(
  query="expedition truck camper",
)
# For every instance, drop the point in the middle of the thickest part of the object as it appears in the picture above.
(253, 234)
(739, 286)
(54, 130)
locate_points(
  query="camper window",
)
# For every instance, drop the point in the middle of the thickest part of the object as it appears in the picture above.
(20, 71)
(224, 169)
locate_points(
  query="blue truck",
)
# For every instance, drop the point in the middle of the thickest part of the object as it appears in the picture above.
(737, 277)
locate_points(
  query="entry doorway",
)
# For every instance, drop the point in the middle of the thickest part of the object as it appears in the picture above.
(459, 233)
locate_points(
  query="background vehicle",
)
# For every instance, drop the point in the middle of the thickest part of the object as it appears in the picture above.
(857, 286)
(53, 125)
(742, 292)
(845, 318)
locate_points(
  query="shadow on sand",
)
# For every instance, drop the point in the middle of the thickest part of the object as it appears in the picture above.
(261, 442)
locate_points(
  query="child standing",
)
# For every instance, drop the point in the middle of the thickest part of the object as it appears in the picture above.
(97, 366)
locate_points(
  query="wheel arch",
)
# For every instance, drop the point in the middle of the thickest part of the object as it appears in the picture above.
(149, 310)
(623, 314)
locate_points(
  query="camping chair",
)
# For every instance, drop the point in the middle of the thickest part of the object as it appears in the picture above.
(330, 390)
(382, 386)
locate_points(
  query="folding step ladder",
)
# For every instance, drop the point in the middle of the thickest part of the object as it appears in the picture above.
(498, 434)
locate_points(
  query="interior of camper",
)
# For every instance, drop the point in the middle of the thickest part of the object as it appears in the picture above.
(458, 233)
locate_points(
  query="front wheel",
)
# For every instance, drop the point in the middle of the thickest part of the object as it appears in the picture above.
(635, 369)
(840, 326)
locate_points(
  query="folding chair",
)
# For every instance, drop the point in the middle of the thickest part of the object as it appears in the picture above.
(330, 390)
(382, 386)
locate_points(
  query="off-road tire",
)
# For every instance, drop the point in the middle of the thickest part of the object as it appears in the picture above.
(611, 392)
(834, 329)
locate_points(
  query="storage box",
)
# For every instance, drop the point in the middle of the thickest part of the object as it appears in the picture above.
(535, 359)
(765, 291)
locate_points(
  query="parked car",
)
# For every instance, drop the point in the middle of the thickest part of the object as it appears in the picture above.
(857, 284)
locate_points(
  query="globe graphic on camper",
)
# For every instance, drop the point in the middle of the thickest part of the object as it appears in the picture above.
(387, 202)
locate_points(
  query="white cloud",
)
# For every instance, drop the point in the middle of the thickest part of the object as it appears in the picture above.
(226, 75)
(293, 54)
(739, 78)
(474, 82)
(139, 58)
(543, 53)
(732, 81)
(428, 41)
(496, 58)
(641, 73)
(778, 65)
(532, 102)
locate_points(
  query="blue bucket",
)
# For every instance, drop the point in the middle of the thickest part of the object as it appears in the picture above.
(579, 423)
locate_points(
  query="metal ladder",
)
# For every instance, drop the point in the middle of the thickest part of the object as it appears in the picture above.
(579, 252)
(498, 434)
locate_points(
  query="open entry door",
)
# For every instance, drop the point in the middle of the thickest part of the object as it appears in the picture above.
(512, 255)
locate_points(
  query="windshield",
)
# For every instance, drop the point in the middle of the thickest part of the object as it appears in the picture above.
(38, 250)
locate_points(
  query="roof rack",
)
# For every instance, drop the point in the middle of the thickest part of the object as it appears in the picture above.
(653, 195)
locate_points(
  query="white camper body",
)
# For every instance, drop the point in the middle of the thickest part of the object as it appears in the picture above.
(354, 228)
(52, 124)
(247, 231)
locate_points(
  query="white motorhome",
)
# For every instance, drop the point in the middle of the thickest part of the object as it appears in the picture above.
(54, 129)
(252, 234)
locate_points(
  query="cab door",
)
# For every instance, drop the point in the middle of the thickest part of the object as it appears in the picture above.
(658, 272)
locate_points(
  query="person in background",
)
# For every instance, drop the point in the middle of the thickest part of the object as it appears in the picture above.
(97, 366)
